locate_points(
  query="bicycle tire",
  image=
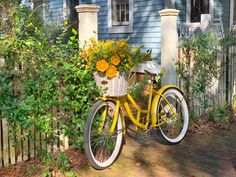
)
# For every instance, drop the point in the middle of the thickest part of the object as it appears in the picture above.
(92, 147)
(173, 124)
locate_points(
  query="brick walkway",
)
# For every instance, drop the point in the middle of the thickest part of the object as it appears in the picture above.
(212, 155)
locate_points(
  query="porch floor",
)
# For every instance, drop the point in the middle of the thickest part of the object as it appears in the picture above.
(211, 155)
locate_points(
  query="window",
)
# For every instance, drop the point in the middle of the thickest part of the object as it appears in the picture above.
(120, 12)
(120, 16)
(198, 7)
(195, 8)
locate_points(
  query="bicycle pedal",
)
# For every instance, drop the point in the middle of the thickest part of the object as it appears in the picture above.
(145, 135)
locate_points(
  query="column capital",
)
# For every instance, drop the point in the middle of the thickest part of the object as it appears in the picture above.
(169, 12)
(90, 8)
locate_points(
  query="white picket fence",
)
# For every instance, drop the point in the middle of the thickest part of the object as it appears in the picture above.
(27, 148)
(224, 87)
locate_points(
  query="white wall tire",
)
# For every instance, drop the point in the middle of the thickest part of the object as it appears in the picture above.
(181, 120)
(88, 141)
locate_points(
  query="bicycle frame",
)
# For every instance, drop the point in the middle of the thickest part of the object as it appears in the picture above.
(151, 112)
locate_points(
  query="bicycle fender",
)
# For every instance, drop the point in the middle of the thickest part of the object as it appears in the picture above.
(156, 100)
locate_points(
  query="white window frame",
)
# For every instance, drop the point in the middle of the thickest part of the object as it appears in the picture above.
(119, 28)
(188, 12)
(232, 13)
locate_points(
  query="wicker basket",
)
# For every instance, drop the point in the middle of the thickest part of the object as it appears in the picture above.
(115, 87)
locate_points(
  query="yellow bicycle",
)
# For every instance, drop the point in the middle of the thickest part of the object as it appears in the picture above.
(167, 114)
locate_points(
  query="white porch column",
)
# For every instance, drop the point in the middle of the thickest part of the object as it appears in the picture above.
(88, 22)
(169, 46)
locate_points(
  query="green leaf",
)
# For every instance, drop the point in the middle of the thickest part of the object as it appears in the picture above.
(74, 31)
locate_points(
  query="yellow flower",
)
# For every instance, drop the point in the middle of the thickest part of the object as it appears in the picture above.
(90, 51)
(96, 50)
(122, 56)
(105, 56)
(93, 41)
(121, 43)
(111, 72)
(102, 65)
(115, 60)
(83, 54)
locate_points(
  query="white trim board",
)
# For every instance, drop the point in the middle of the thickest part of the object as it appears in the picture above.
(231, 12)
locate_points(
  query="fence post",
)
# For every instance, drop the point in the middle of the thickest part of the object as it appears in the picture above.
(2, 62)
(88, 22)
(169, 40)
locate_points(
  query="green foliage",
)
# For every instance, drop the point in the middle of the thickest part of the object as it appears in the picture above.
(71, 174)
(203, 50)
(137, 89)
(45, 156)
(198, 67)
(41, 81)
(63, 162)
(60, 162)
(221, 115)
(228, 40)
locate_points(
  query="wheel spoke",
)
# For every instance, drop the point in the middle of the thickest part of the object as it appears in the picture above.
(103, 148)
(172, 109)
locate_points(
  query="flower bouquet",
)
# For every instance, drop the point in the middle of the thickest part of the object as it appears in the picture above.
(112, 62)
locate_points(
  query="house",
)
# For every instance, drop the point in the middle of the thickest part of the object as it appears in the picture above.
(139, 20)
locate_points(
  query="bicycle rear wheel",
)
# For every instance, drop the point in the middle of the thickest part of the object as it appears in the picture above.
(172, 111)
(101, 147)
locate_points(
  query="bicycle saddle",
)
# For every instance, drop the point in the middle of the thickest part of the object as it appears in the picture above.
(150, 67)
(153, 71)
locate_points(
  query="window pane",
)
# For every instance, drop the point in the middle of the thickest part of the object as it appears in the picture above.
(117, 7)
(123, 16)
(127, 7)
(127, 16)
(118, 16)
(199, 7)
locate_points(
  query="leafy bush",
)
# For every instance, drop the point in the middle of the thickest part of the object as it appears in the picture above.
(42, 82)
(221, 115)
(197, 66)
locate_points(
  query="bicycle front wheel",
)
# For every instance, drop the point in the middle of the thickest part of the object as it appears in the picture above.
(172, 114)
(102, 147)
